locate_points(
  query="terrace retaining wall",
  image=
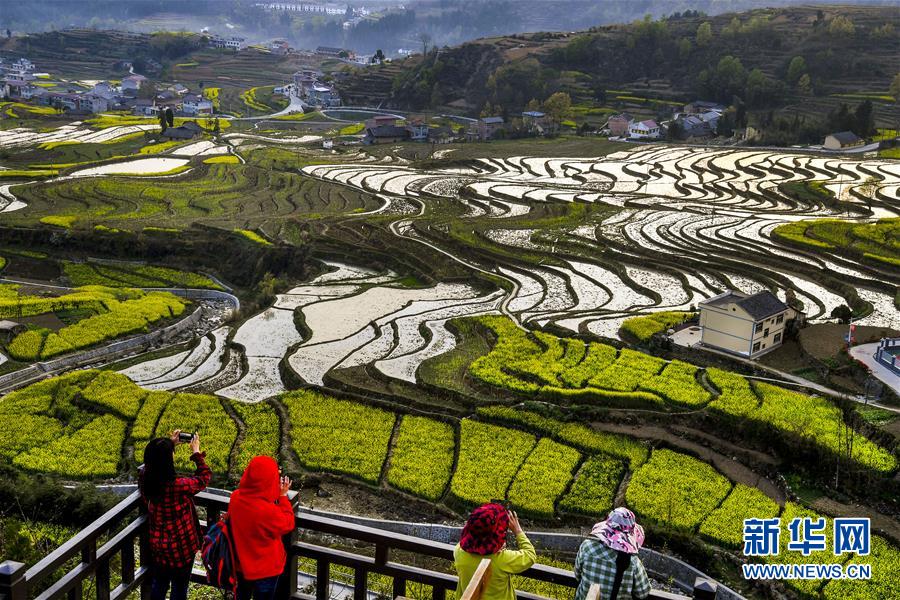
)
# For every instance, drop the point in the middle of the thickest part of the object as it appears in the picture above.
(106, 353)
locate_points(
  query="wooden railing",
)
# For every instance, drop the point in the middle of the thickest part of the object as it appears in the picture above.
(123, 531)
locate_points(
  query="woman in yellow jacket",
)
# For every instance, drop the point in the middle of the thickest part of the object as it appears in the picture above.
(484, 536)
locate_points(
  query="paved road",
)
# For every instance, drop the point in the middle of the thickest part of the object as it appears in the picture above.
(691, 339)
(865, 353)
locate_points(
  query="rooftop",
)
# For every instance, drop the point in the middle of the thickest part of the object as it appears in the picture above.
(846, 137)
(759, 305)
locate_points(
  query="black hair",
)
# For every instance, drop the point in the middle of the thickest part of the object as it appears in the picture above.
(159, 466)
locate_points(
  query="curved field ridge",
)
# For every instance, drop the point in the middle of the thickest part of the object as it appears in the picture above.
(692, 213)
(564, 371)
(57, 430)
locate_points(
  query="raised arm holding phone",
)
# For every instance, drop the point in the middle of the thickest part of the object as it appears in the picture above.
(484, 536)
(174, 527)
(261, 514)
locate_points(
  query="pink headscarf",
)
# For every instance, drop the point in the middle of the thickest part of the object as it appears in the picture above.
(620, 531)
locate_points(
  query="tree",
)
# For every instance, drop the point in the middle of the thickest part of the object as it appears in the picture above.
(684, 49)
(487, 110)
(425, 38)
(704, 34)
(804, 84)
(533, 105)
(865, 119)
(841, 26)
(379, 56)
(170, 116)
(842, 313)
(558, 107)
(163, 124)
(8, 34)
(796, 69)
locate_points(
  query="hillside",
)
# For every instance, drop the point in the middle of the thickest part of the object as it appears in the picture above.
(848, 53)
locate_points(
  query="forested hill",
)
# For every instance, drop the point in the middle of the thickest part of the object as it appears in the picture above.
(752, 55)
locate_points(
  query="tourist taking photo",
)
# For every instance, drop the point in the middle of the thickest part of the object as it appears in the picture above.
(175, 534)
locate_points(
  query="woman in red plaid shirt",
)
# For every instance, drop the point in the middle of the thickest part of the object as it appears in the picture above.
(174, 528)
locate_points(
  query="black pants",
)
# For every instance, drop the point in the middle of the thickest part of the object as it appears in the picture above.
(162, 577)
(259, 589)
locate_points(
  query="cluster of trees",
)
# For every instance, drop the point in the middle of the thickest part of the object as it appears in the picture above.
(792, 129)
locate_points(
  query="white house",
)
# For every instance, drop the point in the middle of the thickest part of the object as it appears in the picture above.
(194, 105)
(322, 95)
(230, 43)
(843, 139)
(748, 325)
(105, 90)
(644, 130)
(133, 82)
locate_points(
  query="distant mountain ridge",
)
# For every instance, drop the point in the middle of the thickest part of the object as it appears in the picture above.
(844, 50)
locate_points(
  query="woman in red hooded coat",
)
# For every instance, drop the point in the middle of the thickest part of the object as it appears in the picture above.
(260, 515)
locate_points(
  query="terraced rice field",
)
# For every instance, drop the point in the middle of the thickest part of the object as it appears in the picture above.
(691, 223)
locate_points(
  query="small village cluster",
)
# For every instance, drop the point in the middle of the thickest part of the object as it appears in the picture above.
(21, 83)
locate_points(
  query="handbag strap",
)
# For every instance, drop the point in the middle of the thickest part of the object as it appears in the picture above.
(623, 561)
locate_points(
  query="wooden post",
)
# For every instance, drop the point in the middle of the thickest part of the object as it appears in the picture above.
(704, 589)
(479, 581)
(593, 592)
(13, 585)
(287, 583)
(144, 548)
(323, 579)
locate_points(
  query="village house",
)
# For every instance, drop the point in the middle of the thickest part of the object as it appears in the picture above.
(133, 83)
(193, 105)
(618, 124)
(332, 52)
(145, 108)
(534, 121)
(644, 130)
(187, 131)
(106, 90)
(279, 47)
(385, 134)
(21, 70)
(843, 140)
(418, 130)
(748, 325)
(484, 129)
(441, 135)
(230, 43)
(178, 89)
(701, 106)
(304, 80)
(19, 89)
(323, 95)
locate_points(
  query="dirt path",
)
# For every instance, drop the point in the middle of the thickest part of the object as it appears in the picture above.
(729, 467)
(881, 522)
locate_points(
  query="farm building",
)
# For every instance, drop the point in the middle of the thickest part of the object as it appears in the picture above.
(644, 130)
(534, 121)
(843, 139)
(618, 124)
(231, 43)
(749, 325)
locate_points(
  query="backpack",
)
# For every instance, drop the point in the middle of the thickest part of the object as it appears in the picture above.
(219, 556)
